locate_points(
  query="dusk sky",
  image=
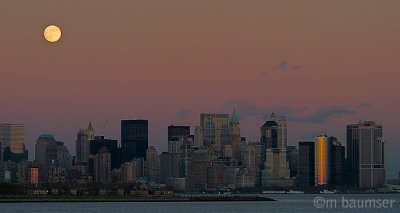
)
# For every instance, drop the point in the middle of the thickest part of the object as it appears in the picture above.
(322, 64)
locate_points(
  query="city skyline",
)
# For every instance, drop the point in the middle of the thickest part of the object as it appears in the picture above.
(322, 65)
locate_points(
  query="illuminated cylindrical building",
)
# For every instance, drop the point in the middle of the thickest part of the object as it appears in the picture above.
(322, 160)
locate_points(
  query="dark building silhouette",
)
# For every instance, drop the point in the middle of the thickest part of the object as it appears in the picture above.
(292, 156)
(365, 155)
(112, 148)
(338, 165)
(134, 138)
(269, 136)
(178, 131)
(306, 170)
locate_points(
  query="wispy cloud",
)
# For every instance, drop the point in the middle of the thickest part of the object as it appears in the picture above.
(183, 113)
(325, 113)
(281, 66)
(364, 104)
(247, 109)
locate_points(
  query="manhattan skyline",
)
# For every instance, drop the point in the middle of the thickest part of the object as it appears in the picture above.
(321, 65)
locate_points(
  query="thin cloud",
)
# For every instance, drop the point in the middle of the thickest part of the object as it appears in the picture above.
(365, 104)
(281, 66)
(246, 109)
(184, 113)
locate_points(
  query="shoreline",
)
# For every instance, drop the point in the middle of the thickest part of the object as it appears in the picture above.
(132, 199)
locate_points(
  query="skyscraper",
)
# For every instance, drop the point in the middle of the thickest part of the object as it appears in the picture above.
(338, 173)
(134, 138)
(306, 177)
(12, 138)
(178, 131)
(102, 166)
(82, 146)
(215, 129)
(269, 136)
(322, 160)
(365, 154)
(274, 138)
(112, 148)
(46, 154)
(234, 135)
(292, 157)
(152, 166)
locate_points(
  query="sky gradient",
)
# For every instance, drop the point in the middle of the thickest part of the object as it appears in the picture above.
(322, 64)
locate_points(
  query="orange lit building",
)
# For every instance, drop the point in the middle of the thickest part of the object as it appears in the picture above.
(322, 160)
(34, 175)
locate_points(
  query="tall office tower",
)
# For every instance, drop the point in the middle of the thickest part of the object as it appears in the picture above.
(134, 138)
(128, 172)
(178, 131)
(64, 158)
(282, 133)
(276, 172)
(83, 143)
(338, 165)
(12, 138)
(269, 136)
(102, 166)
(198, 136)
(46, 154)
(112, 147)
(322, 160)
(251, 159)
(234, 135)
(292, 156)
(169, 166)
(306, 171)
(215, 131)
(198, 171)
(174, 145)
(365, 154)
(152, 166)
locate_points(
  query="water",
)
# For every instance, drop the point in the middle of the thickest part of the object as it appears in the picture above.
(287, 203)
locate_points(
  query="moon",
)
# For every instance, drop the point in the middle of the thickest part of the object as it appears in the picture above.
(52, 33)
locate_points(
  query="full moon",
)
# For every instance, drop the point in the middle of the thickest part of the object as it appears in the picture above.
(52, 33)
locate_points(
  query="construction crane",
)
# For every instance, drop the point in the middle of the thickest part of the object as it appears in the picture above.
(104, 126)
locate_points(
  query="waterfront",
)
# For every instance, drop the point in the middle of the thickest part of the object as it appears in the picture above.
(285, 203)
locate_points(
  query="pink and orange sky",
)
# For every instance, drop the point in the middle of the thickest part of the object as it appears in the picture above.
(322, 64)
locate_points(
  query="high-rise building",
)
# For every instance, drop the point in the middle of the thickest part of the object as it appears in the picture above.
(112, 148)
(338, 169)
(152, 166)
(198, 136)
(102, 166)
(215, 129)
(34, 175)
(12, 139)
(276, 167)
(128, 172)
(178, 131)
(292, 156)
(234, 135)
(365, 154)
(198, 169)
(46, 154)
(322, 160)
(134, 138)
(64, 158)
(82, 145)
(306, 171)
(169, 166)
(269, 136)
